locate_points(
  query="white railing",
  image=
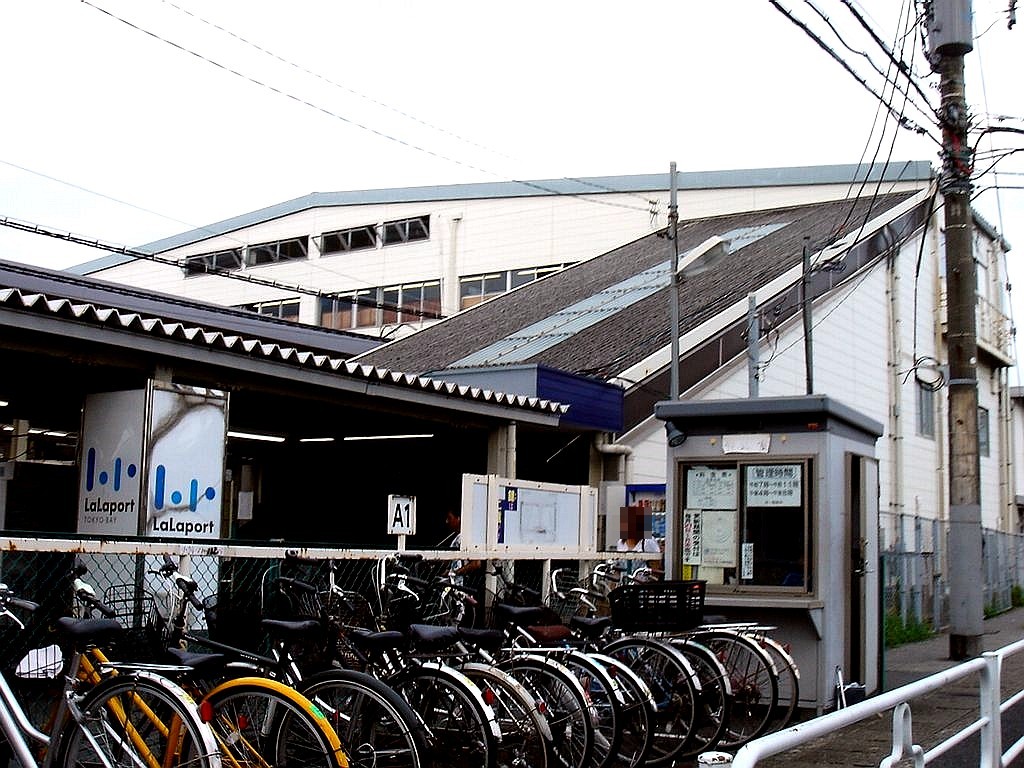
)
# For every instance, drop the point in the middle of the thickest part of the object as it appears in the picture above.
(988, 725)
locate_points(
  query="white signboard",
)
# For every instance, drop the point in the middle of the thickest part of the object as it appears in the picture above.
(186, 462)
(692, 536)
(747, 569)
(757, 443)
(110, 473)
(718, 543)
(774, 485)
(402, 515)
(710, 488)
(539, 516)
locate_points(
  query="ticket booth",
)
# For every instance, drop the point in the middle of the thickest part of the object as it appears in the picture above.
(774, 502)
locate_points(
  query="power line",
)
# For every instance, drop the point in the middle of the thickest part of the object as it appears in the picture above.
(903, 121)
(348, 120)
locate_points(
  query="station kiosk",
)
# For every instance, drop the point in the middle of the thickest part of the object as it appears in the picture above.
(774, 502)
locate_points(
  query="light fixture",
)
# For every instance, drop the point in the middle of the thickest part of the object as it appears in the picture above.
(256, 436)
(675, 436)
(4, 403)
(384, 437)
(316, 439)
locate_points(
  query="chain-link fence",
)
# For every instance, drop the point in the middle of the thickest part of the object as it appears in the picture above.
(915, 567)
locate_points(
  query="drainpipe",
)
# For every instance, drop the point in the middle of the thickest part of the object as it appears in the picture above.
(896, 504)
(604, 446)
(450, 270)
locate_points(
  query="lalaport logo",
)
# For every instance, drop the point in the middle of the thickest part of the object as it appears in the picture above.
(100, 509)
(168, 524)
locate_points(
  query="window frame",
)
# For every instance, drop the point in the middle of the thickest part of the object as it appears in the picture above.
(926, 401)
(716, 576)
(984, 433)
(408, 230)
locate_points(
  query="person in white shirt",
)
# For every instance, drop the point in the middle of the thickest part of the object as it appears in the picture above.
(635, 533)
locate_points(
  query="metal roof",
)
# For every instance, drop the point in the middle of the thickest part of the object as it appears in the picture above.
(916, 170)
(37, 305)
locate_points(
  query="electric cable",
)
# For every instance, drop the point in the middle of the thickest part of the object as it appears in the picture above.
(348, 120)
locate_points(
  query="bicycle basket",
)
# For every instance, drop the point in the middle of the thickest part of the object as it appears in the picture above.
(135, 608)
(660, 606)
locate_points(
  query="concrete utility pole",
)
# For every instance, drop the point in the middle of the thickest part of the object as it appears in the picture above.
(950, 37)
(673, 278)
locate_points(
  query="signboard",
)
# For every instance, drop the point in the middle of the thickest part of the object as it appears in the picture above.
(711, 488)
(401, 515)
(110, 471)
(692, 536)
(186, 462)
(774, 485)
(718, 540)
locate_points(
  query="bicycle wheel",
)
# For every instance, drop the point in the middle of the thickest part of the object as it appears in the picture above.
(754, 681)
(789, 682)
(564, 703)
(260, 722)
(636, 714)
(675, 688)
(605, 700)
(134, 720)
(715, 699)
(526, 738)
(378, 727)
(461, 730)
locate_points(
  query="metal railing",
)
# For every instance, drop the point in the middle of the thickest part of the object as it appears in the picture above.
(988, 725)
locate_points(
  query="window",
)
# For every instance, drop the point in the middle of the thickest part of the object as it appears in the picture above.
(406, 230)
(421, 301)
(389, 310)
(282, 250)
(524, 276)
(207, 262)
(337, 312)
(477, 288)
(983, 439)
(353, 239)
(747, 524)
(287, 309)
(925, 410)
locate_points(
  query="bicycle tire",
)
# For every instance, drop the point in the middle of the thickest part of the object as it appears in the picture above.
(564, 703)
(789, 682)
(526, 738)
(461, 730)
(137, 719)
(605, 699)
(378, 726)
(715, 695)
(637, 713)
(259, 721)
(754, 681)
(675, 687)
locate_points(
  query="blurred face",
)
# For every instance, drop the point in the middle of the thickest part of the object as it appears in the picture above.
(453, 521)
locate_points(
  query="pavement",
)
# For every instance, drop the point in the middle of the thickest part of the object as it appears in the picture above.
(935, 717)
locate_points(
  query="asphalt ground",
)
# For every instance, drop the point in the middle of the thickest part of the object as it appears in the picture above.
(934, 717)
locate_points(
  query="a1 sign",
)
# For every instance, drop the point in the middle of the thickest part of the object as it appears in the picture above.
(402, 515)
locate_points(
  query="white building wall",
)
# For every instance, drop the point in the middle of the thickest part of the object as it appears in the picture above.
(491, 234)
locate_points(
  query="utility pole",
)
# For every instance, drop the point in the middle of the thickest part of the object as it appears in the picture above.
(673, 279)
(950, 37)
(806, 312)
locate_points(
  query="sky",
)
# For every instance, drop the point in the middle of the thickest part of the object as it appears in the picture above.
(125, 121)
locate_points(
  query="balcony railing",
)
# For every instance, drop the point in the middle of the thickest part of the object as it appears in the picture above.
(994, 330)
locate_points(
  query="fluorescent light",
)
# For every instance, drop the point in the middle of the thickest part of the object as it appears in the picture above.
(255, 436)
(316, 439)
(35, 431)
(4, 403)
(56, 433)
(384, 437)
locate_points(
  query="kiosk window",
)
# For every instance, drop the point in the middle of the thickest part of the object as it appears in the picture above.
(747, 524)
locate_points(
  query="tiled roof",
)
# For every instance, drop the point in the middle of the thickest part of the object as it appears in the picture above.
(620, 339)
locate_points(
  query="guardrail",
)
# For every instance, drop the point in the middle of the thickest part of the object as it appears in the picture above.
(988, 725)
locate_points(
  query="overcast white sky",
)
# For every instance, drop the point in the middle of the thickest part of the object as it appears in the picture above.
(113, 133)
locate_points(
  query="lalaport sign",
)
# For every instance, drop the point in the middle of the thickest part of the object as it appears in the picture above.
(153, 462)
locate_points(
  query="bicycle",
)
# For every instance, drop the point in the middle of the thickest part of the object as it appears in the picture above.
(131, 719)
(256, 721)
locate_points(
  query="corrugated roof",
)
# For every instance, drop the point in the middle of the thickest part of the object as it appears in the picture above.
(133, 322)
